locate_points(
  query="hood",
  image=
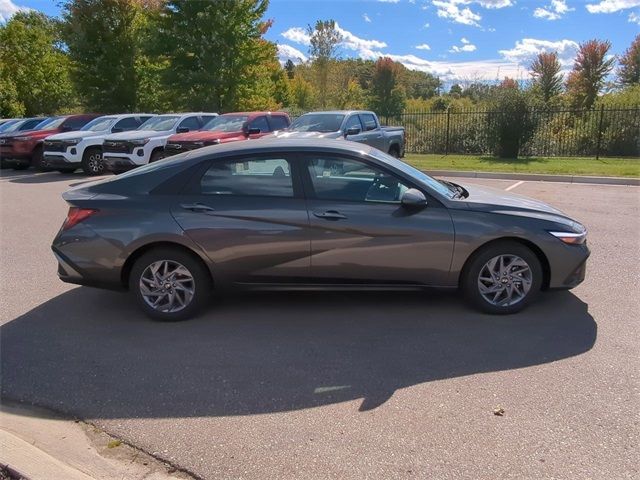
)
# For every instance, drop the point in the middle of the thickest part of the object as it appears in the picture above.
(139, 134)
(34, 133)
(487, 199)
(293, 134)
(204, 135)
(77, 134)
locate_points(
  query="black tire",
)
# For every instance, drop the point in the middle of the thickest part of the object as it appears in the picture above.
(37, 159)
(92, 163)
(201, 283)
(474, 266)
(21, 166)
(394, 152)
(156, 155)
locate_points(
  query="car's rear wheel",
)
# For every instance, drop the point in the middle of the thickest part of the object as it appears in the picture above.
(37, 159)
(92, 163)
(170, 284)
(502, 278)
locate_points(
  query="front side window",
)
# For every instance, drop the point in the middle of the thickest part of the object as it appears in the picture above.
(342, 179)
(369, 121)
(353, 121)
(128, 123)
(191, 123)
(278, 122)
(261, 123)
(266, 177)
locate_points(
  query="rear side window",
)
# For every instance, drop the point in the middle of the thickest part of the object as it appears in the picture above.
(278, 122)
(265, 177)
(261, 123)
(129, 123)
(191, 123)
(369, 121)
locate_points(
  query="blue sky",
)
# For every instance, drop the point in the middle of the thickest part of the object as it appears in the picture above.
(458, 40)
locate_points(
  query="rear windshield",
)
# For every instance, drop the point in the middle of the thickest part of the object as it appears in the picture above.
(160, 123)
(226, 123)
(317, 122)
(99, 124)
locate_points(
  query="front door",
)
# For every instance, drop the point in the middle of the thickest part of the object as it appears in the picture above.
(362, 234)
(249, 215)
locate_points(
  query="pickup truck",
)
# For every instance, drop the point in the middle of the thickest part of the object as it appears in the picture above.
(25, 149)
(355, 125)
(127, 150)
(66, 152)
(230, 127)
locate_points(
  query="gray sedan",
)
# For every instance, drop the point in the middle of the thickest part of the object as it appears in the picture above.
(309, 214)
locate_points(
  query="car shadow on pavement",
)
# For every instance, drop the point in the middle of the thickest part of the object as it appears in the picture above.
(33, 177)
(90, 353)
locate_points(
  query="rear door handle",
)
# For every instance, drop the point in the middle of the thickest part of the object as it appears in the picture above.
(330, 215)
(197, 207)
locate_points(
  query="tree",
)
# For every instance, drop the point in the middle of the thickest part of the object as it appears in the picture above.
(324, 40)
(387, 97)
(455, 90)
(290, 68)
(509, 124)
(629, 69)
(211, 50)
(33, 65)
(547, 79)
(303, 94)
(590, 70)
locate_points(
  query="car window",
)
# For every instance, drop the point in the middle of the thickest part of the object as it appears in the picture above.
(335, 178)
(369, 121)
(353, 121)
(207, 118)
(278, 122)
(267, 177)
(98, 124)
(191, 123)
(75, 123)
(317, 122)
(129, 123)
(261, 123)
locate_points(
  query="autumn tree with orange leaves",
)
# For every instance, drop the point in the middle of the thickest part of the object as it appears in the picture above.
(590, 70)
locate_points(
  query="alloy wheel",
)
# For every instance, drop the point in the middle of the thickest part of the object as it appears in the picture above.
(167, 286)
(505, 280)
(95, 163)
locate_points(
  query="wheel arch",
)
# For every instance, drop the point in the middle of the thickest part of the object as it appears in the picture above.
(542, 258)
(140, 251)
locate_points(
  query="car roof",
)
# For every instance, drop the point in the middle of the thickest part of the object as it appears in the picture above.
(339, 112)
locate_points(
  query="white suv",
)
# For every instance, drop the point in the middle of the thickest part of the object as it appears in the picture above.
(128, 150)
(69, 151)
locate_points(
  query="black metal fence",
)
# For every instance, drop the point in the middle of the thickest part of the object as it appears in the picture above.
(607, 132)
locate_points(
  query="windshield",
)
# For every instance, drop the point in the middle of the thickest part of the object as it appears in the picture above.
(160, 123)
(11, 125)
(99, 124)
(317, 122)
(226, 123)
(50, 123)
(431, 182)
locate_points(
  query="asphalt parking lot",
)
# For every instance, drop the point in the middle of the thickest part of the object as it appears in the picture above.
(316, 385)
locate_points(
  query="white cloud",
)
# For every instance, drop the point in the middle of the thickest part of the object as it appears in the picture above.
(467, 46)
(8, 8)
(389, 1)
(457, 10)
(634, 18)
(366, 18)
(427, 25)
(297, 35)
(423, 46)
(287, 52)
(555, 10)
(527, 49)
(610, 6)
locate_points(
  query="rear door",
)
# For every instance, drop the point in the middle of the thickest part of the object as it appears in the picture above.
(249, 215)
(361, 232)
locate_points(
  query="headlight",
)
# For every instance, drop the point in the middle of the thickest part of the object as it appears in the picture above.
(142, 141)
(73, 141)
(571, 238)
(23, 139)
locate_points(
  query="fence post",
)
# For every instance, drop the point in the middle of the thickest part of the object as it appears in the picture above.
(446, 144)
(598, 143)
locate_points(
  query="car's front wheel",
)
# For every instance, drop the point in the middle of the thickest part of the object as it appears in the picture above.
(92, 163)
(502, 278)
(170, 284)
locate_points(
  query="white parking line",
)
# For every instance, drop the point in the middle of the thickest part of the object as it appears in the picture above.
(517, 184)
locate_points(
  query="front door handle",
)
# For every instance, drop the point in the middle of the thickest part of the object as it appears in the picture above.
(197, 207)
(330, 215)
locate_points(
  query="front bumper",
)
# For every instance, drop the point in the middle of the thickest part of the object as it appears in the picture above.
(62, 159)
(118, 164)
(569, 266)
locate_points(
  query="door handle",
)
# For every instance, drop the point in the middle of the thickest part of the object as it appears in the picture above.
(197, 207)
(330, 215)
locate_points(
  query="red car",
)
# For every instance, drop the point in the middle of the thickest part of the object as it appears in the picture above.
(24, 149)
(230, 127)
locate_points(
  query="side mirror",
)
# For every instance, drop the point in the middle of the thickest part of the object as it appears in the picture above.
(253, 131)
(413, 198)
(117, 130)
(182, 130)
(352, 131)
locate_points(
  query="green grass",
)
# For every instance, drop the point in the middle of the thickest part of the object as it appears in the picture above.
(606, 167)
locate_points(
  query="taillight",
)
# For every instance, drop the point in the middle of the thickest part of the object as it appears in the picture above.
(77, 215)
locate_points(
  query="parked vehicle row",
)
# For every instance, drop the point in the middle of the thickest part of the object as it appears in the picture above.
(118, 143)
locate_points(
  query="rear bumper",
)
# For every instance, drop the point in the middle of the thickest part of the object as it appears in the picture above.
(70, 272)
